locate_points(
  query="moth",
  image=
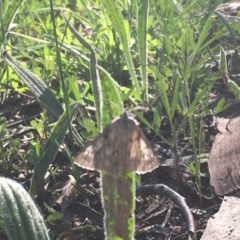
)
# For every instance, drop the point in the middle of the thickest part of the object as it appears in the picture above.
(121, 147)
(119, 151)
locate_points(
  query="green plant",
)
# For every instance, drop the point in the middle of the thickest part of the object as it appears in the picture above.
(8, 11)
(181, 77)
(21, 217)
(232, 85)
(9, 149)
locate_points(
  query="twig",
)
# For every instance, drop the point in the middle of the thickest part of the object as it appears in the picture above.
(161, 189)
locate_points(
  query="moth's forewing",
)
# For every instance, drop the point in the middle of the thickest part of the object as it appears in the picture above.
(102, 152)
(148, 160)
(142, 158)
(121, 147)
(87, 158)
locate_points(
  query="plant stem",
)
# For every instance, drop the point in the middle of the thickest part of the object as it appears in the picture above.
(118, 197)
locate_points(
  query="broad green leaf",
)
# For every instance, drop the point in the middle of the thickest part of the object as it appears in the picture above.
(167, 45)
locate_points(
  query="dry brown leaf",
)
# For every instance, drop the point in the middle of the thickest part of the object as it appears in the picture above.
(224, 158)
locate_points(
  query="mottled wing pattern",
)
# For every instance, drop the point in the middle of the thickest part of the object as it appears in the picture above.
(224, 163)
(87, 158)
(121, 147)
(148, 158)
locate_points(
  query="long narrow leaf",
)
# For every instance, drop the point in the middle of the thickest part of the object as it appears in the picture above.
(114, 14)
(38, 88)
(223, 66)
(7, 16)
(203, 35)
(162, 88)
(111, 91)
(229, 28)
(174, 103)
(96, 82)
(113, 103)
(50, 150)
(142, 42)
(200, 94)
(164, 97)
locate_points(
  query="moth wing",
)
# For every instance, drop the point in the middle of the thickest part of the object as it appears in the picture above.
(88, 158)
(148, 160)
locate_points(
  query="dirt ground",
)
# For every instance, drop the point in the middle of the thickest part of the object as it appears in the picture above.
(82, 214)
(73, 208)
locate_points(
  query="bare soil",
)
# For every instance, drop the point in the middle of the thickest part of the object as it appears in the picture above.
(72, 206)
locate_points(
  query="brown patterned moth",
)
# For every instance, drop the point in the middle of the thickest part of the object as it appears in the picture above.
(117, 153)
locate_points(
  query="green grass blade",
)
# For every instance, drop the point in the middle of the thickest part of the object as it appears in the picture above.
(162, 88)
(38, 88)
(114, 14)
(198, 99)
(142, 42)
(203, 35)
(7, 17)
(111, 91)
(223, 66)
(50, 150)
(64, 85)
(113, 103)
(175, 99)
(234, 88)
(96, 82)
(229, 28)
